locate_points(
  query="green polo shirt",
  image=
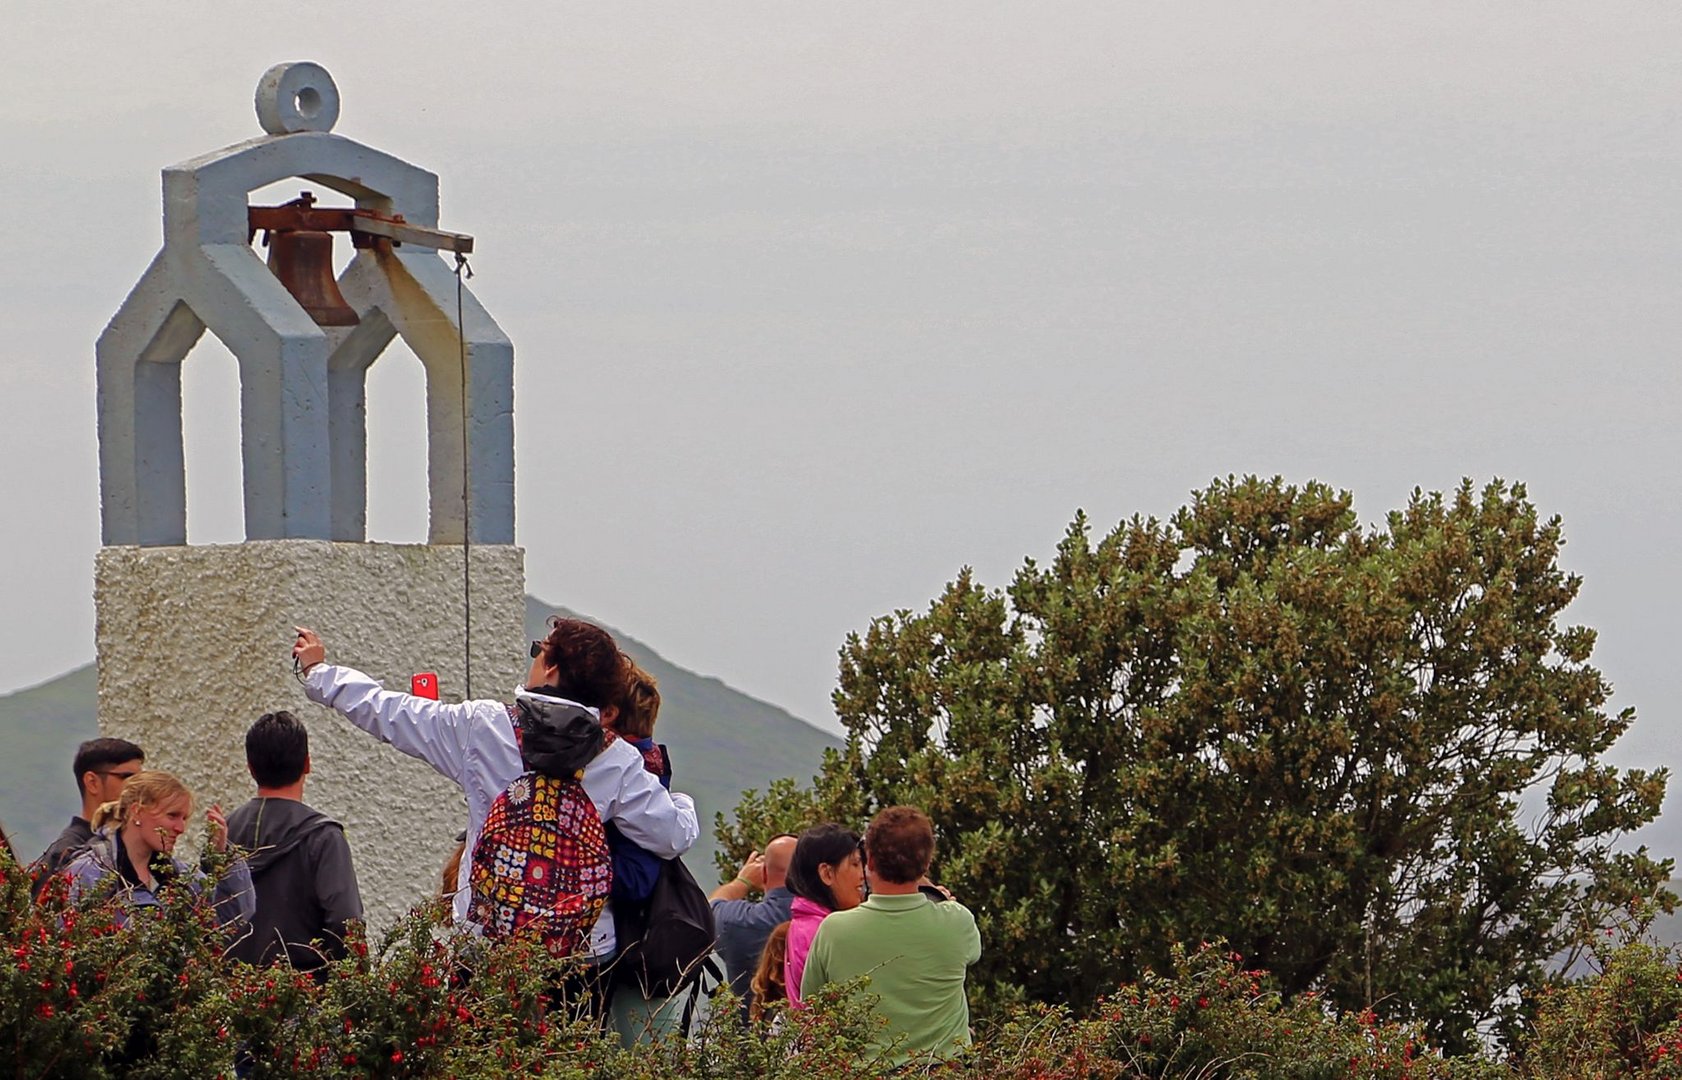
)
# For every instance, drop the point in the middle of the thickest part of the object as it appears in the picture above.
(915, 952)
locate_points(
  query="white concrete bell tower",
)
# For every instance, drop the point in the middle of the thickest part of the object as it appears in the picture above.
(193, 640)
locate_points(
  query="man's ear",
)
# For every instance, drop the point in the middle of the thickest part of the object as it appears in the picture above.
(250, 770)
(306, 764)
(87, 781)
(610, 713)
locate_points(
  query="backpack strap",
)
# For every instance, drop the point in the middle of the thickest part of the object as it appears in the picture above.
(709, 966)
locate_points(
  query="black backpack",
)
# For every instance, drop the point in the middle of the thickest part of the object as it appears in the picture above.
(666, 944)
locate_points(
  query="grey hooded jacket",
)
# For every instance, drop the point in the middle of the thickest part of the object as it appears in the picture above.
(306, 886)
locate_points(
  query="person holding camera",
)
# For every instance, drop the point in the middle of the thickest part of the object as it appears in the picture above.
(909, 937)
(577, 673)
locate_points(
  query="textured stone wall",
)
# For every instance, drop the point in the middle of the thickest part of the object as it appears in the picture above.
(195, 644)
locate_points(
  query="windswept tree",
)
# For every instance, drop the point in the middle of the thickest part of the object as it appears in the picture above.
(1370, 759)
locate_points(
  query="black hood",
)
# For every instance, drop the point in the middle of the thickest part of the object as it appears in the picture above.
(557, 737)
(271, 828)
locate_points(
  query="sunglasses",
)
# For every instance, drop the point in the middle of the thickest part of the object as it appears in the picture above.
(536, 649)
(125, 777)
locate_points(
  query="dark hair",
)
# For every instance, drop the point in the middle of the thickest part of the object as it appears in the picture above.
(277, 748)
(589, 669)
(96, 755)
(639, 708)
(900, 844)
(828, 843)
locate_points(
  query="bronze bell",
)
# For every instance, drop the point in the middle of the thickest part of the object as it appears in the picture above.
(303, 261)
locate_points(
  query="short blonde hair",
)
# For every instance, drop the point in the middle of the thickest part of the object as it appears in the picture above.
(144, 789)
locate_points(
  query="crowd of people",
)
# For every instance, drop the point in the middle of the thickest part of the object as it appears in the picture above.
(572, 828)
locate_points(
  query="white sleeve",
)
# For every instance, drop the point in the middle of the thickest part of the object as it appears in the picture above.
(662, 823)
(420, 727)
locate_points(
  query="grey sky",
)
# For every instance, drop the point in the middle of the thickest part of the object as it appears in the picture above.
(813, 305)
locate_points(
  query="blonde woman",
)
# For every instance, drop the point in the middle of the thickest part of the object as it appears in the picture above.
(133, 849)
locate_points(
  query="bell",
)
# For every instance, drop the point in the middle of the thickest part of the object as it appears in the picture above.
(303, 261)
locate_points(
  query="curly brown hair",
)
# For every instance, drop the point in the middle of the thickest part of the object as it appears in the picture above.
(899, 844)
(588, 667)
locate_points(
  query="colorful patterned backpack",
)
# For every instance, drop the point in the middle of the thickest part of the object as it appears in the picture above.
(541, 867)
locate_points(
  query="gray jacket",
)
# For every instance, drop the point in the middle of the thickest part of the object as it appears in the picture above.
(305, 883)
(96, 866)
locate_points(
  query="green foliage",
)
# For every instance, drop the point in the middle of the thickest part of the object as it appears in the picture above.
(786, 807)
(1212, 1017)
(81, 998)
(1623, 1022)
(1261, 722)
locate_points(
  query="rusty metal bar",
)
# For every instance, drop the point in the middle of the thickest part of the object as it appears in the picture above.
(361, 224)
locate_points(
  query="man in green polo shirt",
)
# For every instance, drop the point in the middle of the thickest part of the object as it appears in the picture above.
(914, 949)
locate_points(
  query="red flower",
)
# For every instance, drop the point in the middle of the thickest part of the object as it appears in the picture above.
(396, 1057)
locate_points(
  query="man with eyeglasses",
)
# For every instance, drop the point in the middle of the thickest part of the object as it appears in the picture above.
(101, 767)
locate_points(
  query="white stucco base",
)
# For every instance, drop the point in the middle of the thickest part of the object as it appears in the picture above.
(195, 644)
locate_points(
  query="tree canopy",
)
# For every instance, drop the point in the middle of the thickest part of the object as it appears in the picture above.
(1369, 758)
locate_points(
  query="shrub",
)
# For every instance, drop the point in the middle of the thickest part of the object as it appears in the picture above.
(80, 997)
(1209, 1017)
(1623, 1022)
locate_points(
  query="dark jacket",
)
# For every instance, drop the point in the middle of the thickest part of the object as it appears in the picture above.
(306, 886)
(73, 839)
(635, 870)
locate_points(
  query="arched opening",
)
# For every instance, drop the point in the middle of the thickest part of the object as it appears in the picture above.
(397, 447)
(210, 436)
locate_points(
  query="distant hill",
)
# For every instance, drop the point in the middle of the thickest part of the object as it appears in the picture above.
(39, 730)
(721, 742)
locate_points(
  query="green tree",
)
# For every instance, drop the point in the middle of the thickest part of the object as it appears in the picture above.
(1368, 758)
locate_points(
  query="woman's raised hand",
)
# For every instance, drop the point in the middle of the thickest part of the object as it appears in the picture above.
(308, 650)
(218, 828)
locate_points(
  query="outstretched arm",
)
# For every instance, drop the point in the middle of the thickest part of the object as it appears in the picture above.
(420, 727)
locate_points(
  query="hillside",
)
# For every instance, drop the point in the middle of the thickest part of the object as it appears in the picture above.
(39, 730)
(721, 741)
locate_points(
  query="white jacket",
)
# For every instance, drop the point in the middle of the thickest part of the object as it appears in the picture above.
(473, 744)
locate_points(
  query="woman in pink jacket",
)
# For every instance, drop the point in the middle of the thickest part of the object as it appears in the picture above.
(826, 874)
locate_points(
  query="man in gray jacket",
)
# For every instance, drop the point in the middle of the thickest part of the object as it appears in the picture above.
(300, 862)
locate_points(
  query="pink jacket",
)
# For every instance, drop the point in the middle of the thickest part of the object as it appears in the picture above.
(804, 917)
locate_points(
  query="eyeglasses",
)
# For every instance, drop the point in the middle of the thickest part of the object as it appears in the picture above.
(125, 777)
(536, 649)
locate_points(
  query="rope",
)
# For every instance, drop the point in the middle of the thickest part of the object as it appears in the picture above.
(465, 271)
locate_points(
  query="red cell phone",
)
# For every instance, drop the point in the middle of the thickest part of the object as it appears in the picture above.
(425, 685)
